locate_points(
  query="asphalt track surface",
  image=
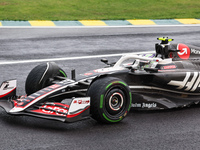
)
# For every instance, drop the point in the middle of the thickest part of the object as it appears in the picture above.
(171, 129)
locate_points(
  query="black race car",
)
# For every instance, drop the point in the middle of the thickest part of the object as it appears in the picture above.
(168, 78)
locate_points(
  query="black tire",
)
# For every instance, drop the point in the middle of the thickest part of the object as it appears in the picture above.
(110, 99)
(42, 76)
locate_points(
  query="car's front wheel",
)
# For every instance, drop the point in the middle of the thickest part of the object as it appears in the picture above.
(110, 99)
(42, 76)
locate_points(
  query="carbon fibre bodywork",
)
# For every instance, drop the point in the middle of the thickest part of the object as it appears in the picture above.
(169, 78)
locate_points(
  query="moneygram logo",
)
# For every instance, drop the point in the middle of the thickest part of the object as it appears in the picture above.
(184, 51)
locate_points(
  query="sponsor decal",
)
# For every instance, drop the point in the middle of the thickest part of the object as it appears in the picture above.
(168, 67)
(136, 105)
(88, 74)
(54, 86)
(144, 105)
(78, 106)
(53, 110)
(103, 70)
(81, 102)
(184, 51)
(190, 83)
(194, 51)
(149, 105)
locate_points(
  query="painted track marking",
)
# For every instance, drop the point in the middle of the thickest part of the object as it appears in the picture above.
(67, 58)
(127, 26)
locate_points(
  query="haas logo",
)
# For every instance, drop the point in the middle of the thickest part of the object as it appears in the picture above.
(184, 51)
(188, 84)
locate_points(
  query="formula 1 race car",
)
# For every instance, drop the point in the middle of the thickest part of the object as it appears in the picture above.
(168, 78)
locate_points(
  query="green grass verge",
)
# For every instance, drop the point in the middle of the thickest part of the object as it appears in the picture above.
(98, 9)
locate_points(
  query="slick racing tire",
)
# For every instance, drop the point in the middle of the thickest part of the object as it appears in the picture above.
(42, 76)
(110, 99)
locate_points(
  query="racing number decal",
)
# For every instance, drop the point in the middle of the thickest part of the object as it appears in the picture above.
(184, 51)
(191, 85)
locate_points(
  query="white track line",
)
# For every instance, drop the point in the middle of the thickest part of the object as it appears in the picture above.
(67, 58)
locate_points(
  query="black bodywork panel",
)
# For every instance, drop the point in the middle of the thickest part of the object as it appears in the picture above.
(169, 78)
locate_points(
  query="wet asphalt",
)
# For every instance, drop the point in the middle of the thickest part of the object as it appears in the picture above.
(170, 129)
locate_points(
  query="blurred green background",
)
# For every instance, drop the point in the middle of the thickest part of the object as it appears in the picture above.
(98, 9)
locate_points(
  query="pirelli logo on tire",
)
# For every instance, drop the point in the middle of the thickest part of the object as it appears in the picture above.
(190, 83)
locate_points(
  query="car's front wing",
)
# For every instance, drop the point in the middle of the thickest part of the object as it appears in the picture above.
(77, 109)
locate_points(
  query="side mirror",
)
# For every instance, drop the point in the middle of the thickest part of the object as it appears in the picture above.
(104, 60)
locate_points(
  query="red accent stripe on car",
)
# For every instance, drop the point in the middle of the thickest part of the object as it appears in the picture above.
(74, 115)
(7, 93)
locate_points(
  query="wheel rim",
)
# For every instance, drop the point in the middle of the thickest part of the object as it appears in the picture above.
(115, 101)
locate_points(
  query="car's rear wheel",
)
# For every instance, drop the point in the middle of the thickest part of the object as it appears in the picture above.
(42, 76)
(110, 99)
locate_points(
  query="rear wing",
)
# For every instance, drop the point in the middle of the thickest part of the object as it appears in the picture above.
(8, 89)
